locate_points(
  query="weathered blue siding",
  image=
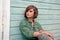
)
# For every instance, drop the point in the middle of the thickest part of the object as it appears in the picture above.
(49, 16)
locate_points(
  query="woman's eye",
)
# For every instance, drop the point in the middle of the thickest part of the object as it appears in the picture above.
(30, 11)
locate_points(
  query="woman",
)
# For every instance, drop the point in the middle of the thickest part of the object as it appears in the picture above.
(32, 30)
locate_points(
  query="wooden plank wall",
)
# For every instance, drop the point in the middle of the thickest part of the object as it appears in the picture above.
(49, 16)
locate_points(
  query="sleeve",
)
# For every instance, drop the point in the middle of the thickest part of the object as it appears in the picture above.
(39, 26)
(27, 32)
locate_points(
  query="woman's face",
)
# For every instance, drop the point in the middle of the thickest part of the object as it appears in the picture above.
(30, 13)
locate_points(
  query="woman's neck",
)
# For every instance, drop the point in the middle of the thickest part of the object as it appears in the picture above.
(31, 20)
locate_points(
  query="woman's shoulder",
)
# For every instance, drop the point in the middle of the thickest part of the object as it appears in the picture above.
(37, 23)
(23, 21)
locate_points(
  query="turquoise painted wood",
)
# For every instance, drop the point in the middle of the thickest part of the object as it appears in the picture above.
(49, 16)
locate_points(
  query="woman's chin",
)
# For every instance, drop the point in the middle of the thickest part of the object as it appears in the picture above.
(29, 17)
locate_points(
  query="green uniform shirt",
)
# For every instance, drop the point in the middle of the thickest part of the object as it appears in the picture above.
(27, 30)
